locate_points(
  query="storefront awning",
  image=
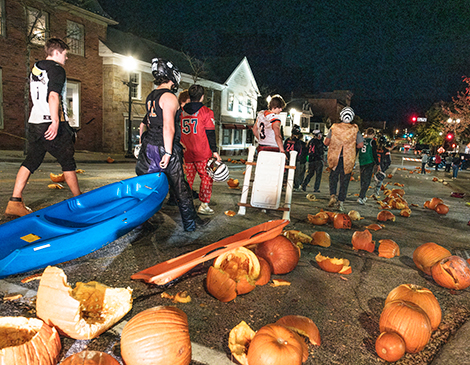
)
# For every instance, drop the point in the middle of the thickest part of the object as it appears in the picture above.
(235, 126)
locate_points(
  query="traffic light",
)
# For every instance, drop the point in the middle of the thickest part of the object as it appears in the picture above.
(414, 119)
(450, 137)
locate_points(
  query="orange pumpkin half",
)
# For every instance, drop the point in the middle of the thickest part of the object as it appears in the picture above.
(28, 341)
(57, 178)
(88, 357)
(426, 255)
(363, 241)
(409, 321)
(333, 264)
(452, 272)
(275, 345)
(388, 248)
(420, 296)
(83, 312)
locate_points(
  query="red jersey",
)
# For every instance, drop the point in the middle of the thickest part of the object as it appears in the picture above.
(193, 132)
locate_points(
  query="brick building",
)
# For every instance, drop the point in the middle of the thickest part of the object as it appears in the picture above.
(24, 27)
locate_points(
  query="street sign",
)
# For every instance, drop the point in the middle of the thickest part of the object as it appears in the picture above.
(422, 119)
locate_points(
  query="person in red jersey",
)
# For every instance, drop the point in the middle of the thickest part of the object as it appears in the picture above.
(198, 138)
(267, 128)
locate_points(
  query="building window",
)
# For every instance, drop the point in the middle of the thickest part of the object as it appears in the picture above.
(226, 136)
(209, 98)
(136, 87)
(73, 103)
(1, 101)
(2, 18)
(249, 107)
(38, 22)
(230, 101)
(237, 136)
(76, 38)
(304, 123)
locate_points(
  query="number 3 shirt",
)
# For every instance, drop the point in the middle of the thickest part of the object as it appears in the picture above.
(265, 122)
(196, 119)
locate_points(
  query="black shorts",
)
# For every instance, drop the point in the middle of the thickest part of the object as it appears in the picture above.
(61, 147)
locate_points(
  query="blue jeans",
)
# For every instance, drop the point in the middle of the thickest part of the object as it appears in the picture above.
(338, 174)
(455, 170)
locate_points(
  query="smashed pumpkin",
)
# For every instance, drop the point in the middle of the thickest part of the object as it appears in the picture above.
(428, 254)
(452, 272)
(57, 178)
(409, 321)
(318, 219)
(388, 248)
(363, 241)
(333, 264)
(385, 215)
(239, 340)
(158, 335)
(303, 326)
(321, 238)
(420, 296)
(83, 312)
(234, 272)
(342, 221)
(25, 341)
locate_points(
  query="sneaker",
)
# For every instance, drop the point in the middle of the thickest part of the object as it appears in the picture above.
(364, 199)
(205, 209)
(341, 206)
(17, 208)
(332, 201)
(316, 191)
(361, 201)
(304, 188)
(296, 189)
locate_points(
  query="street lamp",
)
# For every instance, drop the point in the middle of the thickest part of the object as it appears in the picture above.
(129, 65)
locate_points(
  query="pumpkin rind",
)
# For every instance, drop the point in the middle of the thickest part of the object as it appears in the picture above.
(265, 272)
(363, 241)
(84, 312)
(280, 253)
(434, 203)
(275, 345)
(385, 215)
(238, 341)
(409, 321)
(321, 238)
(302, 325)
(220, 285)
(428, 254)
(390, 346)
(442, 209)
(342, 221)
(158, 335)
(57, 178)
(420, 296)
(28, 341)
(388, 249)
(318, 219)
(452, 272)
(88, 357)
(329, 264)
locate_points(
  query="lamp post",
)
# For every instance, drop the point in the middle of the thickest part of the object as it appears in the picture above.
(129, 65)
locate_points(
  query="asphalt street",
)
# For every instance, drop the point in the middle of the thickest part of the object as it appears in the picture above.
(346, 308)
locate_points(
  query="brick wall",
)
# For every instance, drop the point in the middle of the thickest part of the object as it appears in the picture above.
(87, 70)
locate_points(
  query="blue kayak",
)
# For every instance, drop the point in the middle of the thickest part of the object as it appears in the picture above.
(79, 225)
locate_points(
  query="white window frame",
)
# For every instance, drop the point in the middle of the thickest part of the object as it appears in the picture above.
(230, 101)
(76, 38)
(73, 103)
(41, 25)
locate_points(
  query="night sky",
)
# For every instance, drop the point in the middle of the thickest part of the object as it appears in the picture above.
(398, 57)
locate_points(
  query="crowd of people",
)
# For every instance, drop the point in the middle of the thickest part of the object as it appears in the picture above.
(177, 137)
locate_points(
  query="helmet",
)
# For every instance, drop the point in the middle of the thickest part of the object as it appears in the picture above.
(161, 67)
(217, 170)
(347, 114)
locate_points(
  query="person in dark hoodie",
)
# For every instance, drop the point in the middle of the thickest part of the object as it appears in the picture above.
(198, 139)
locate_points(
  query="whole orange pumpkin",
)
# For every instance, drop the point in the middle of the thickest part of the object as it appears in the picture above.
(302, 325)
(390, 346)
(426, 255)
(342, 221)
(280, 253)
(28, 341)
(275, 345)
(90, 358)
(158, 335)
(409, 321)
(420, 296)
(452, 272)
